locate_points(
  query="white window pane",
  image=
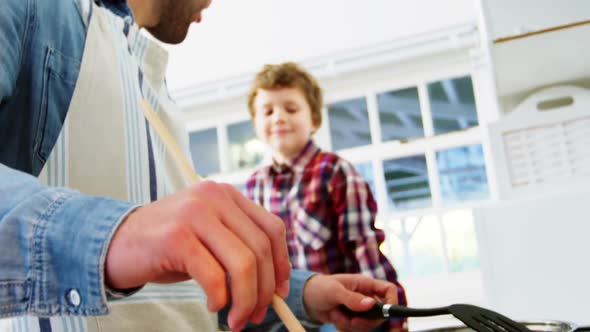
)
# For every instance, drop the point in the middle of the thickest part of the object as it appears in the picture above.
(349, 123)
(462, 174)
(366, 170)
(399, 114)
(461, 241)
(414, 246)
(245, 149)
(426, 248)
(452, 104)
(204, 151)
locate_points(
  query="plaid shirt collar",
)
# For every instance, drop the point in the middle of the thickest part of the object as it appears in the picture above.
(298, 163)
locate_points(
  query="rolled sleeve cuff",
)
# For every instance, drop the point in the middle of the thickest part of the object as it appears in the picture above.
(70, 247)
(295, 298)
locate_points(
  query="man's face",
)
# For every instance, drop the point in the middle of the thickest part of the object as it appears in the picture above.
(175, 18)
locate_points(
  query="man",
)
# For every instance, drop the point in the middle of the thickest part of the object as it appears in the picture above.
(72, 76)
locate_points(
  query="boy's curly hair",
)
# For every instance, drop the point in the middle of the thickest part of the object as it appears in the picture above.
(288, 75)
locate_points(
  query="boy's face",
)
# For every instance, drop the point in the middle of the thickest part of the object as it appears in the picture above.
(282, 120)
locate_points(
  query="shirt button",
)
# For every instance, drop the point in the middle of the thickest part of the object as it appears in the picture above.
(74, 297)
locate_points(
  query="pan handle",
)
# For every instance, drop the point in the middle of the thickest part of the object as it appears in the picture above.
(384, 310)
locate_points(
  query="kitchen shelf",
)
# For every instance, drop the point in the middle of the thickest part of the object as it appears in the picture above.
(527, 62)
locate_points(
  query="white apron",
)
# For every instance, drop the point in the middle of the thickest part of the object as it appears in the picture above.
(107, 149)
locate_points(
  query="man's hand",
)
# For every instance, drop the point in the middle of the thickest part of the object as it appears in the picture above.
(207, 232)
(323, 294)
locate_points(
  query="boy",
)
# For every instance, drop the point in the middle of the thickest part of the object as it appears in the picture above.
(327, 207)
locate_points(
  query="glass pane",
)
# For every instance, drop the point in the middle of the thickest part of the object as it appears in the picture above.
(461, 240)
(245, 149)
(406, 180)
(349, 123)
(399, 114)
(414, 246)
(452, 104)
(366, 170)
(204, 151)
(426, 247)
(462, 173)
(394, 247)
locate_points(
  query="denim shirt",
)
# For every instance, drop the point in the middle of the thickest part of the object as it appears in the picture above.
(42, 45)
(41, 50)
(43, 230)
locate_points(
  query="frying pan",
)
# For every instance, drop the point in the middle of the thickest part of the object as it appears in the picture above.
(474, 317)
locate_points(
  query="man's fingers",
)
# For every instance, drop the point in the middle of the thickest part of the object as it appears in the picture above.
(204, 268)
(274, 228)
(240, 264)
(260, 245)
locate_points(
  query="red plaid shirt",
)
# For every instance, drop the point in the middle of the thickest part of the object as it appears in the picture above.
(329, 213)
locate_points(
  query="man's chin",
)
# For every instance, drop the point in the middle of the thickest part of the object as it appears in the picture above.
(169, 35)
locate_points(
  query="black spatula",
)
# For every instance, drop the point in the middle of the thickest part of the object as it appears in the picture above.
(477, 318)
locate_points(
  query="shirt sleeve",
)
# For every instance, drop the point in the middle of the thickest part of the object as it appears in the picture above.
(53, 243)
(356, 209)
(294, 301)
(252, 188)
(13, 19)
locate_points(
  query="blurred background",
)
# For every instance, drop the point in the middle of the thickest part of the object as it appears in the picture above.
(470, 119)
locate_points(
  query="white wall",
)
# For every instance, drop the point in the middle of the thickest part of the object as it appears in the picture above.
(238, 36)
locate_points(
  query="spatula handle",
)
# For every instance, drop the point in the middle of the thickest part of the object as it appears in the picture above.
(384, 310)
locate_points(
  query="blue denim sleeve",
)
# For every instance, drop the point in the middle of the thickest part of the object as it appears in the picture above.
(53, 244)
(295, 298)
(13, 16)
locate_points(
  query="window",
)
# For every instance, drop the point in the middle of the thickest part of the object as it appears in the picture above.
(406, 180)
(204, 151)
(432, 172)
(245, 149)
(461, 244)
(399, 114)
(349, 123)
(432, 244)
(366, 171)
(452, 104)
(423, 174)
(462, 174)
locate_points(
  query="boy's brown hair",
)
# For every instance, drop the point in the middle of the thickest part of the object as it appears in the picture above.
(288, 75)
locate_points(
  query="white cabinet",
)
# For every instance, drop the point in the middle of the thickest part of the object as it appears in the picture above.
(532, 238)
(534, 257)
(534, 44)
